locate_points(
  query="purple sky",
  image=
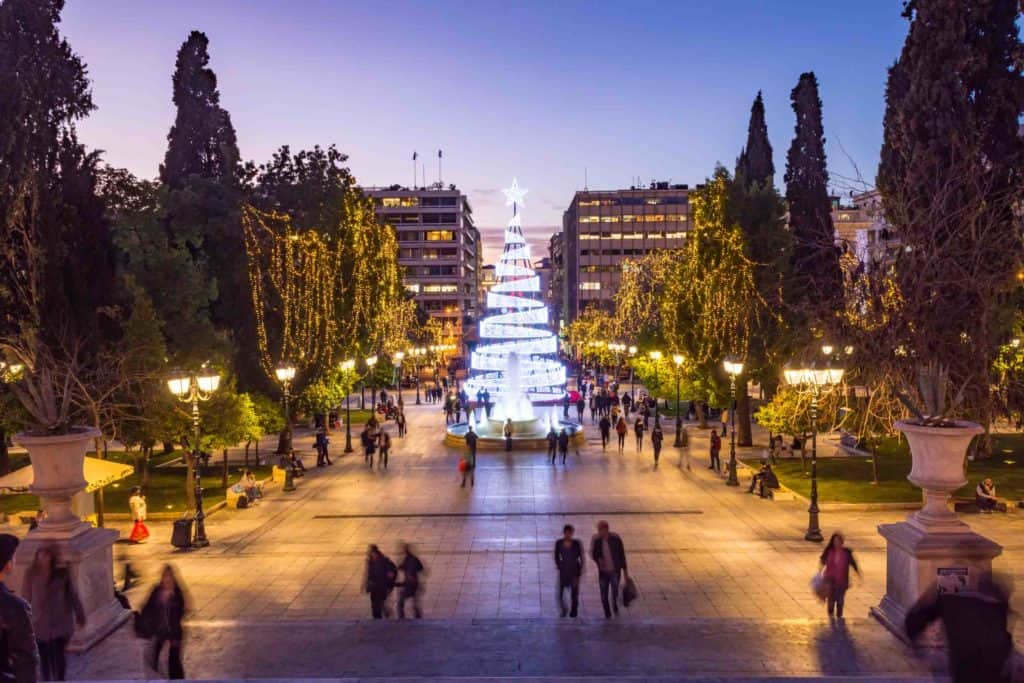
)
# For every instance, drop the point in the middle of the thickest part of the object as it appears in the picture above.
(544, 91)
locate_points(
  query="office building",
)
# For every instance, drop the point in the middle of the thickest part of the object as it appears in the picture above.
(602, 229)
(439, 249)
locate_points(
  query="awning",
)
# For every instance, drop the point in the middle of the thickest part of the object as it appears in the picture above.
(98, 473)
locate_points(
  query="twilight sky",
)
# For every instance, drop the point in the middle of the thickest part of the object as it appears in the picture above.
(550, 92)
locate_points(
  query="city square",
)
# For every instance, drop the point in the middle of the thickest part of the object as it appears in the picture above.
(270, 411)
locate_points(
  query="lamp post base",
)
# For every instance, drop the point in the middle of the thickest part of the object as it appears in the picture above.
(732, 480)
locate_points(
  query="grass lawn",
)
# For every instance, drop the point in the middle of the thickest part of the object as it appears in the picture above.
(849, 480)
(165, 491)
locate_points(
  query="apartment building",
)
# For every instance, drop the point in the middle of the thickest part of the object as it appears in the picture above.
(603, 228)
(439, 249)
(861, 228)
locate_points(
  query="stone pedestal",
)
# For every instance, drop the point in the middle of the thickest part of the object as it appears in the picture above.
(933, 550)
(57, 472)
(919, 560)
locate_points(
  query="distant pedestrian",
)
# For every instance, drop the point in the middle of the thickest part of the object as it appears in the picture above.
(563, 444)
(627, 401)
(384, 443)
(836, 562)
(412, 569)
(381, 574)
(645, 413)
(609, 553)
(569, 563)
(975, 623)
(656, 438)
(508, 430)
(716, 448)
(400, 421)
(605, 425)
(469, 470)
(162, 617)
(449, 410)
(581, 405)
(137, 505)
(368, 439)
(552, 438)
(638, 429)
(620, 429)
(19, 656)
(56, 610)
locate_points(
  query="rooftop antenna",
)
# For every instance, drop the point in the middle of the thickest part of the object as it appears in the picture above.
(586, 183)
(439, 168)
(414, 155)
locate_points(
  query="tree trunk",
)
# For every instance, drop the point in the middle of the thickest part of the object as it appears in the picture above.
(146, 455)
(168, 447)
(247, 443)
(224, 476)
(258, 452)
(283, 442)
(5, 459)
(702, 418)
(874, 461)
(744, 436)
(100, 501)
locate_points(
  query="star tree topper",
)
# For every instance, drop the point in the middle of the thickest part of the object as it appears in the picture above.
(514, 195)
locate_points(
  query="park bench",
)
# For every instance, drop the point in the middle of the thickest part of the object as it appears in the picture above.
(969, 506)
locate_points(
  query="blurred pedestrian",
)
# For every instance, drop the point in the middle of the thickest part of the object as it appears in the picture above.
(552, 444)
(569, 562)
(162, 617)
(56, 610)
(508, 431)
(401, 422)
(581, 405)
(563, 444)
(620, 429)
(716, 449)
(836, 561)
(975, 623)
(384, 444)
(469, 471)
(412, 568)
(381, 574)
(638, 429)
(656, 438)
(605, 425)
(137, 505)
(19, 655)
(609, 553)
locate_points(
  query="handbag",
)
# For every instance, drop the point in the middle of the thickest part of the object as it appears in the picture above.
(821, 586)
(142, 625)
(629, 592)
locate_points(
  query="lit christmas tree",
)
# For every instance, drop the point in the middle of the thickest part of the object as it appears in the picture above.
(516, 358)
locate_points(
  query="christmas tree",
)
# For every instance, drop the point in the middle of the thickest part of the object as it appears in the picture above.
(517, 353)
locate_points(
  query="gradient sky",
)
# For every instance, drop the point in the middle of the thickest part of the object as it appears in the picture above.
(550, 92)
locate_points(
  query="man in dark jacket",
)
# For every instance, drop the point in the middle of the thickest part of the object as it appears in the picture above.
(470, 471)
(975, 622)
(563, 444)
(606, 431)
(19, 656)
(609, 554)
(569, 561)
(380, 581)
(552, 444)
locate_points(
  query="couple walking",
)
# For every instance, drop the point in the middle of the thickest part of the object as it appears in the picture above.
(608, 553)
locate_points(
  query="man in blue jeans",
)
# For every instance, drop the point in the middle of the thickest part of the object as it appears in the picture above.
(609, 554)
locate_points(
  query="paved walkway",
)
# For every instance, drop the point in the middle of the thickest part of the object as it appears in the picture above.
(698, 549)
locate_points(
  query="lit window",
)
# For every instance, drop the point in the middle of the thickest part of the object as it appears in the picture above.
(440, 235)
(412, 288)
(440, 289)
(410, 201)
(590, 285)
(590, 219)
(653, 202)
(609, 219)
(391, 201)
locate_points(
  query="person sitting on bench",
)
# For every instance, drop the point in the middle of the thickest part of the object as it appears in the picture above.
(764, 480)
(985, 496)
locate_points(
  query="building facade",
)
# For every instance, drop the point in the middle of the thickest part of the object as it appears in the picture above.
(861, 229)
(602, 229)
(439, 249)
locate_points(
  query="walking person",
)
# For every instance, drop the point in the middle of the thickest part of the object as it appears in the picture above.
(605, 425)
(581, 405)
(609, 553)
(656, 438)
(411, 568)
(552, 438)
(470, 468)
(716, 448)
(19, 656)
(836, 562)
(137, 505)
(638, 429)
(508, 430)
(56, 610)
(384, 443)
(563, 444)
(620, 429)
(162, 617)
(400, 421)
(380, 581)
(569, 563)
(367, 438)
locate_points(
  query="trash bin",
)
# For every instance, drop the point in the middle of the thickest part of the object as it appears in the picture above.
(181, 537)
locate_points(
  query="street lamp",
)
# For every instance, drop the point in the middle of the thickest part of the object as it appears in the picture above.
(632, 373)
(193, 388)
(285, 374)
(678, 360)
(416, 354)
(348, 366)
(656, 357)
(814, 377)
(397, 362)
(370, 363)
(733, 368)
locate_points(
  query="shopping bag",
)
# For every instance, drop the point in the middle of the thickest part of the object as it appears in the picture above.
(629, 592)
(820, 586)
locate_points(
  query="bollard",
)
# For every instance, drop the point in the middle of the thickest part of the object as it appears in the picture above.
(289, 480)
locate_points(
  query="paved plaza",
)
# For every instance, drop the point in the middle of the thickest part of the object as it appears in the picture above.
(724, 576)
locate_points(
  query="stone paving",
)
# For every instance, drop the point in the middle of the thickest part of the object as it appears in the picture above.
(699, 550)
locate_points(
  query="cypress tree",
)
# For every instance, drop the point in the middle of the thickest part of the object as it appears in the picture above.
(815, 280)
(950, 177)
(202, 140)
(755, 165)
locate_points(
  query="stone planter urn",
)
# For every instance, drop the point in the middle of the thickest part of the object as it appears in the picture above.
(934, 550)
(57, 475)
